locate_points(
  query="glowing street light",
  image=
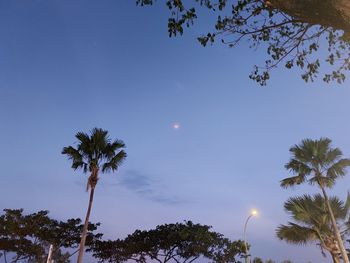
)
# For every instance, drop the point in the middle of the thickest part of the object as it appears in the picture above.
(252, 213)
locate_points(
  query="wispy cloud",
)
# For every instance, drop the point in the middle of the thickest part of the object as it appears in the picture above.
(146, 187)
(136, 181)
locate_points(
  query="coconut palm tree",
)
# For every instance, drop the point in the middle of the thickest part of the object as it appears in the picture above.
(93, 154)
(313, 222)
(315, 162)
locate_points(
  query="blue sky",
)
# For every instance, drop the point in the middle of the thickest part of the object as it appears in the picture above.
(69, 66)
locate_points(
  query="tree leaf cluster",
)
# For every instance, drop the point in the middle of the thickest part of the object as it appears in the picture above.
(26, 238)
(180, 242)
(291, 31)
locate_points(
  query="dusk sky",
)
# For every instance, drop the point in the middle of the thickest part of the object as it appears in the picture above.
(71, 65)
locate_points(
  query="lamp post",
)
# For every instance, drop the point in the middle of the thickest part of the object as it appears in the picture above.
(252, 213)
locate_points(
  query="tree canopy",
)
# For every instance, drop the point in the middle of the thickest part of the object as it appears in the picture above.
(26, 238)
(94, 152)
(315, 162)
(312, 222)
(296, 33)
(318, 163)
(180, 242)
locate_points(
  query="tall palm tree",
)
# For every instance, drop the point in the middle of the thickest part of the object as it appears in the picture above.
(315, 162)
(313, 222)
(94, 153)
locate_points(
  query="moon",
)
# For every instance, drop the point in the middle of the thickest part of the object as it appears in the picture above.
(176, 126)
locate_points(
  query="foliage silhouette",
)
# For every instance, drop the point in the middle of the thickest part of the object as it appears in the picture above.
(316, 162)
(180, 242)
(94, 153)
(291, 31)
(313, 223)
(26, 238)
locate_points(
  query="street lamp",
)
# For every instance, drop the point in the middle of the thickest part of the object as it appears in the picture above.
(252, 213)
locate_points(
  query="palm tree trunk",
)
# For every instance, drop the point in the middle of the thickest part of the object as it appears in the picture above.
(335, 258)
(335, 227)
(86, 224)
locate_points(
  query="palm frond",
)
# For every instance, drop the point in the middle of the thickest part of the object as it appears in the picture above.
(300, 153)
(321, 149)
(99, 141)
(338, 169)
(306, 209)
(322, 180)
(84, 145)
(339, 209)
(74, 155)
(311, 151)
(111, 148)
(94, 150)
(332, 156)
(297, 166)
(292, 181)
(83, 137)
(71, 152)
(296, 234)
(347, 203)
(115, 162)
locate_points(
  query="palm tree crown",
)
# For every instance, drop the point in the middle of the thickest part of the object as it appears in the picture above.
(94, 152)
(313, 223)
(315, 162)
